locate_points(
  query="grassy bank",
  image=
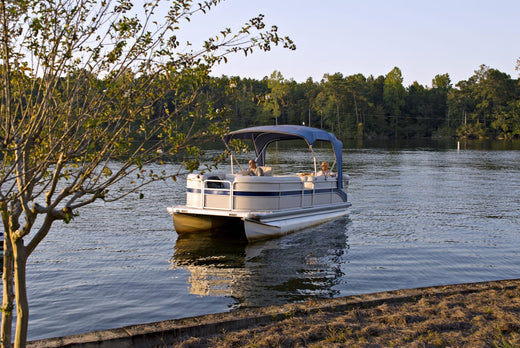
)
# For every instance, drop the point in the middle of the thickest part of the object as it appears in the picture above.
(470, 315)
(483, 314)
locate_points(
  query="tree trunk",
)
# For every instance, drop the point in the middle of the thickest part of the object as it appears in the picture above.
(337, 116)
(22, 304)
(355, 108)
(8, 294)
(8, 286)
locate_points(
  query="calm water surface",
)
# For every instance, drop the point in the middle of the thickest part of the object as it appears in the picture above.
(420, 217)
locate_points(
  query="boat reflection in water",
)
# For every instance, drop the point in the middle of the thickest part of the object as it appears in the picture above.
(289, 269)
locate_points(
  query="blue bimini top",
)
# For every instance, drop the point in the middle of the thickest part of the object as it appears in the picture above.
(262, 136)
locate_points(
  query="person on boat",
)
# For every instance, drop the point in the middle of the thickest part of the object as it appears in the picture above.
(325, 171)
(254, 170)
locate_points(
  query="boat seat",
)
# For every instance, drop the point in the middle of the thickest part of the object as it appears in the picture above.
(268, 171)
(215, 184)
(305, 176)
(213, 176)
(324, 178)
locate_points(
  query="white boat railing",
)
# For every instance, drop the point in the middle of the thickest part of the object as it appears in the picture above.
(226, 186)
(220, 187)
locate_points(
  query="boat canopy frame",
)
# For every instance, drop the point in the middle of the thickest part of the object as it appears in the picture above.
(262, 136)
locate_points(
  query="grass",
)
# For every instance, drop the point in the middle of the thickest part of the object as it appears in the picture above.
(487, 318)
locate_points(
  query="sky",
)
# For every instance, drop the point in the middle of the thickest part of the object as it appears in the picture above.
(423, 38)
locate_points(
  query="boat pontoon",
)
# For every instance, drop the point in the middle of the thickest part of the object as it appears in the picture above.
(265, 206)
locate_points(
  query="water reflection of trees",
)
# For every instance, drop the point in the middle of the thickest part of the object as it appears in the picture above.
(293, 268)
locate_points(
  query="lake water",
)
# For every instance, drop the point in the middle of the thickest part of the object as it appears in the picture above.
(421, 216)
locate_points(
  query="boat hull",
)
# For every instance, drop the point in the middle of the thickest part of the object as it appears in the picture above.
(269, 226)
(193, 223)
(254, 226)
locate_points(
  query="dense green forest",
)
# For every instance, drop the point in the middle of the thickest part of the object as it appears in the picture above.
(487, 105)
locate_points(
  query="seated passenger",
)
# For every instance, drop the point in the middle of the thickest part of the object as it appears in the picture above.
(254, 170)
(325, 171)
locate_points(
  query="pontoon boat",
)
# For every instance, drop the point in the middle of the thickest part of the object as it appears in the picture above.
(259, 207)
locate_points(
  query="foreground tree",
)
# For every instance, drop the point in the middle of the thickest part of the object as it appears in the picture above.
(85, 83)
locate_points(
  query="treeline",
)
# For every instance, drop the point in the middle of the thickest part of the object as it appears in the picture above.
(487, 105)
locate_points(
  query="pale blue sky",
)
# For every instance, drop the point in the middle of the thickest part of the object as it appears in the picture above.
(422, 38)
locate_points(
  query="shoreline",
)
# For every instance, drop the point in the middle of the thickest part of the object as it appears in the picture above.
(482, 314)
